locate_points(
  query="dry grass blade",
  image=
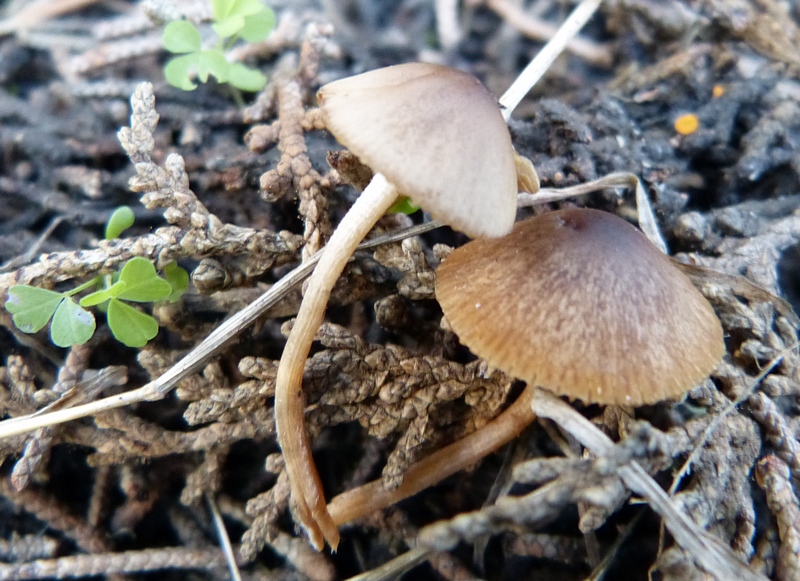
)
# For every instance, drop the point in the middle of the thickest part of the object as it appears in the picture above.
(394, 568)
(549, 53)
(647, 220)
(704, 437)
(224, 539)
(709, 553)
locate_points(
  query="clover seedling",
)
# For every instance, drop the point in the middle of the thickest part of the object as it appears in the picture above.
(71, 324)
(249, 20)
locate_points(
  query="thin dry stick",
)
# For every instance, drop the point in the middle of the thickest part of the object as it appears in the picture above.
(394, 568)
(647, 220)
(447, 23)
(37, 12)
(541, 63)
(536, 29)
(224, 539)
(701, 442)
(709, 553)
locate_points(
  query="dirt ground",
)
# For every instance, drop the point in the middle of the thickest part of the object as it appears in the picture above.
(701, 100)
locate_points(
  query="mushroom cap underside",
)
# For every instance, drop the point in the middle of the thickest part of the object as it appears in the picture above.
(438, 136)
(580, 302)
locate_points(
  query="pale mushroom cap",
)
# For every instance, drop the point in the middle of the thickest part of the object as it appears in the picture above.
(580, 302)
(438, 136)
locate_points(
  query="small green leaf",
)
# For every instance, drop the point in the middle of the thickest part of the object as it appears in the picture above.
(245, 78)
(32, 307)
(222, 8)
(234, 21)
(212, 62)
(229, 26)
(247, 7)
(104, 294)
(178, 71)
(71, 324)
(258, 26)
(142, 284)
(181, 36)
(178, 279)
(131, 327)
(403, 205)
(120, 220)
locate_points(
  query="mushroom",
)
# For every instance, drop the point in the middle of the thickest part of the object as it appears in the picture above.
(579, 302)
(433, 134)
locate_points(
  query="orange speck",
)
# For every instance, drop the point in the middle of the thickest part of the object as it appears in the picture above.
(687, 124)
(717, 91)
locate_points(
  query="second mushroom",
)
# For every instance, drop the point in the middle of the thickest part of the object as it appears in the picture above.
(428, 132)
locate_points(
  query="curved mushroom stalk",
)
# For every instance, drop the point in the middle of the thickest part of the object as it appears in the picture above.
(307, 491)
(459, 455)
(402, 122)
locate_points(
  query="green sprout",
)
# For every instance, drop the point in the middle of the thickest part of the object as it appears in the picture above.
(403, 205)
(249, 20)
(71, 324)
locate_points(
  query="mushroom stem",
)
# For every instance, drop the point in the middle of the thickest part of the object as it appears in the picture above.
(305, 483)
(457, 456)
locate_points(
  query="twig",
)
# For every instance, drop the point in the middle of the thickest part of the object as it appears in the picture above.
(596, 54)
(394, 568)
(224, 539)
(31, 253)
(37, 12)
(698, 445)
(542, 61)
(109, 563)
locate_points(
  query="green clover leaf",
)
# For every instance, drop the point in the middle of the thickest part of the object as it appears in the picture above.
(221, 8)
(212, 62)
(178, 71)
(178, 279)
(245, 78)
(121, 219)
(71, 324)
(258, 26)
(103, 295)
(181, 36)
(142, 284)
(229, 26)
(231, 21)
(32, 307)
(129, 326)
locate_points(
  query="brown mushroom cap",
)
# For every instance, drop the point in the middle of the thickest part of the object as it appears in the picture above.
(580, 302)
(437, 135)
